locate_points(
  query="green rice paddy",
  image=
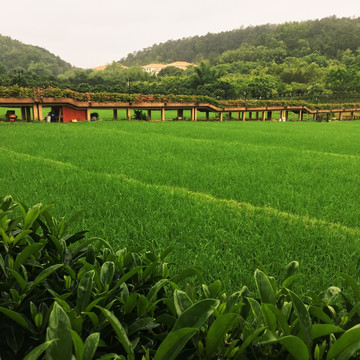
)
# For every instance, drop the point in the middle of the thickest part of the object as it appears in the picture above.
(229, 196)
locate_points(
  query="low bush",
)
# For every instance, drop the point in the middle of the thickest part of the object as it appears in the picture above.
(66, 296)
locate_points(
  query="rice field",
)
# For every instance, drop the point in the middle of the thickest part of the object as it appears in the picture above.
(229, 196)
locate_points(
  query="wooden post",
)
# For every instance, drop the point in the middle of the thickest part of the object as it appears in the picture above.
(243, 115)
(128, 114)
(162, 114)
(40, 112)
(286, 115)
(250, 115)
(207, 113)
(269, 115)
(193, 114)
(314, 116)
(149, 115)
(300, 117)
(115, 114)
(221, 116)
(341, 115)
(35, 112)
(257, 115)
(28, 114)
(230, 114)
(351, 115)
(238, 115)
(23, 113)
(263, 115)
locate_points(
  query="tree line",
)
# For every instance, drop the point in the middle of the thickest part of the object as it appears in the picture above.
(317, 60)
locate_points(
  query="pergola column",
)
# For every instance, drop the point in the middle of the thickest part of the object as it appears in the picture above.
(341, 113)
(193, 114)
(35, 112)
(162, 114)
(207, 113)
(88, 115)
(221, 116)
(148, 115)
(40, 112)
(28, 114)
(314, 116)
(244, 115)
(23, 113)
(351, 115)
(300, 117)
(128, 113)
(115, 114)
(263, 115)
(230, 115)
(250, 115)
(269, 115)
(238, 115)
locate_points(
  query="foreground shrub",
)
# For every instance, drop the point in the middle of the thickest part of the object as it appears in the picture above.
(65, 296)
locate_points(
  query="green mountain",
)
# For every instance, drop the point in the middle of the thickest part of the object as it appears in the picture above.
(16, 55)
(326, 37)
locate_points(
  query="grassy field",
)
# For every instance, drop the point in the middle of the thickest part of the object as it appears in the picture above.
(228, 195)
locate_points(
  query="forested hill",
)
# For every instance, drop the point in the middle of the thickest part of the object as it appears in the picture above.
(294, 39)
(16, 55)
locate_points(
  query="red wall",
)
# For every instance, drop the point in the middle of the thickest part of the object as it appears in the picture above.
(71, 114)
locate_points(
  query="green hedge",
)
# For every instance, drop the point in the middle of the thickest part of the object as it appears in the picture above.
(16, 91)
(66, 296)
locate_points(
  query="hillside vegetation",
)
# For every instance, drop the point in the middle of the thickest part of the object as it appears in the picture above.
(316, 60)
(14, 55)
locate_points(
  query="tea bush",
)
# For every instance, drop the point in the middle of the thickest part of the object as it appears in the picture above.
(66, 296)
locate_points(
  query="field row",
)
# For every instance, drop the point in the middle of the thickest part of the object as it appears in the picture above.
(227, 196)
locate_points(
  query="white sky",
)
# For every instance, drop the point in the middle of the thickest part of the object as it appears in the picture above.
(93, 32)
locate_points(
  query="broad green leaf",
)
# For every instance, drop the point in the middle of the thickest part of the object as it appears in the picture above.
(58, 328)
(319, 330)
(120, 332)
(17, 317)
(174, 342)
(107, 273)
(90, 345)
(78, 345)
(354, 285)
(21, 281)
(6, 201)
(269, 317)
(126, 277)
(44, 274)
(280, 317)
(291, 269)
(36, 353)
(304, 318)
(181, 302)
(84, 291)
(217, 331)
(295, 346)
(155, 289)
(268, 337)
(264, 287)
(215, 288)
(346, 345)
(26, 253)
(331, 293)
(21, 235)
(255, 308)
(31, 216)
(140, 324)
(196, 315)
(93, 317)
(251, 338)
(320, 314)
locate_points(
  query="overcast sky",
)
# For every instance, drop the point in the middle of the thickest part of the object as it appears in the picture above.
(89, 33)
